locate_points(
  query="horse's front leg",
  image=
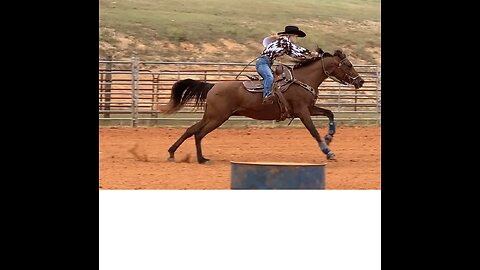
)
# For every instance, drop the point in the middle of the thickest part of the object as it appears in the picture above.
(314, 111)
(307, 121)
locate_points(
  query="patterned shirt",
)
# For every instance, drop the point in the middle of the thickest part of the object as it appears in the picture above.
(282, 46)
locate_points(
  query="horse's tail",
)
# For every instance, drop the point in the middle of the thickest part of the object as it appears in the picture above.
(185, 90)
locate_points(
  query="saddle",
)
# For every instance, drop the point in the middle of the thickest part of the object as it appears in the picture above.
(282, 79)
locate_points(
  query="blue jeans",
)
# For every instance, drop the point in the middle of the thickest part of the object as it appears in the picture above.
(263, 66)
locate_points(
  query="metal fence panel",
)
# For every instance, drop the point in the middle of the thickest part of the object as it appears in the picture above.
(135, 89)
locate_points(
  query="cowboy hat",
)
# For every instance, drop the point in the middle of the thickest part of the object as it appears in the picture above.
(292, 30)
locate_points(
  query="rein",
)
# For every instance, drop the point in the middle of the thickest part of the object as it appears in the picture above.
(246, 67)
(335, 78)
(312, 90)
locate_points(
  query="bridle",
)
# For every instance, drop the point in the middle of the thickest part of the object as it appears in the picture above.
(350, 78)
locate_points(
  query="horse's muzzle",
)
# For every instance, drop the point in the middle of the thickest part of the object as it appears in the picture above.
(358, 82)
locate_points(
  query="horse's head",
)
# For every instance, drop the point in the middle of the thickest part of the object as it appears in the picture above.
(341, 69)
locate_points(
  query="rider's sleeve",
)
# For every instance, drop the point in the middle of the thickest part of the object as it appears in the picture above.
(298, 52)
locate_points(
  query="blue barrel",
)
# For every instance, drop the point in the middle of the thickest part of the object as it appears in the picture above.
(271, 175)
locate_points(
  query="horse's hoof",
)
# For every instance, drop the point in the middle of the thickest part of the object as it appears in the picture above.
(331, 156)
(328, 139)
(171, 159)
(204, 161)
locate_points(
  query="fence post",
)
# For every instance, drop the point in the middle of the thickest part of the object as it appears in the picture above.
(356, 95)
(108, 86)
(101, 100)
(338, 98)
(155, 92)
(178, 71)
(134, 90)
(219, 69)
(379, 100)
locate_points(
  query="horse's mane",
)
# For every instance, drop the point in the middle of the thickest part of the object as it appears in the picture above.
(321, 53)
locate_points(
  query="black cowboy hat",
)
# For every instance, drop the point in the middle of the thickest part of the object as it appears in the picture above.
(292, 30)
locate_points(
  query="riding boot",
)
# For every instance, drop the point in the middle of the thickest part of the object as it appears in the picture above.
(268, 99)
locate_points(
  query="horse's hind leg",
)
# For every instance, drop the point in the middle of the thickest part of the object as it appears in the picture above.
(331, 125)
(209, 126)
(307, 121)
(188, 133)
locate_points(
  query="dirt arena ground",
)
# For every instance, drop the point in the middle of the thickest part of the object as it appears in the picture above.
(136, 158)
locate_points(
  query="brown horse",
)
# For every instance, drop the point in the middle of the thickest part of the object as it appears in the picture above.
(225, 99)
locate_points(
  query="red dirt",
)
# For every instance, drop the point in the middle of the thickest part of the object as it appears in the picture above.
(136, 158)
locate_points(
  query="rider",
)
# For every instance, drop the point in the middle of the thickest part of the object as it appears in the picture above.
(284, 44)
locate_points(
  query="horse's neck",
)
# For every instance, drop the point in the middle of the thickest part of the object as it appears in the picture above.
(312, 74)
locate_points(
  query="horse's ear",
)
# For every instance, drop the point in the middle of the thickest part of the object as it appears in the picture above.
(319, 50)
(340, 54)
